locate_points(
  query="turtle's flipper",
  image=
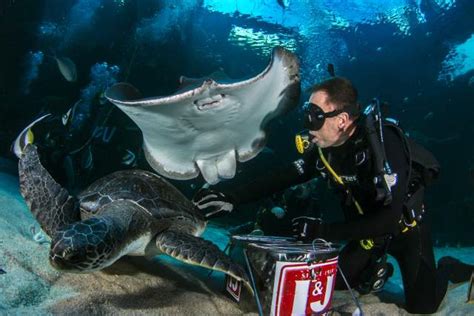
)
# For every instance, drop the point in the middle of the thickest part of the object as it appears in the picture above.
(198, 251)
(51, 204)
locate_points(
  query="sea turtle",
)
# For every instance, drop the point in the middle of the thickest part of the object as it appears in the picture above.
(132, 212)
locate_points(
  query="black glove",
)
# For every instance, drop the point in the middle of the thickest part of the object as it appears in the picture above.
(212, 203)
(306, 228)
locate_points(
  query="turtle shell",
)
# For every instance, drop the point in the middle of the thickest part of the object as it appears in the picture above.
(155, 194)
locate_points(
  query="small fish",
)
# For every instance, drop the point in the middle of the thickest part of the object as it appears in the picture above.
(68, 117)
(25, 137)
(331, 70)
(67, 68)
(2, 271)
(429, 116)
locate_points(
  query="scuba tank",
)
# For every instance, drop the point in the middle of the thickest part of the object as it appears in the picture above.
(384, 178)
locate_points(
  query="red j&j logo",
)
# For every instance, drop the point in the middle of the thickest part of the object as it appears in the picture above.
(302, 289)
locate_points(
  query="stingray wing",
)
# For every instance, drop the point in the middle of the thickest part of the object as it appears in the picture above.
(207, 125)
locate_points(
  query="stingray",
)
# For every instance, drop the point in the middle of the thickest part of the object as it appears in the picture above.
(211, 123)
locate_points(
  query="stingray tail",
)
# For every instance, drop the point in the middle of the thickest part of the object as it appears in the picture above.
(51, 204)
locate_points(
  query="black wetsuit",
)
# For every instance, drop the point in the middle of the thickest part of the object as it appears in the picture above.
(425, 286)
(89, 147)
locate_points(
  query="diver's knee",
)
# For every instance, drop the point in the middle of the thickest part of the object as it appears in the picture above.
(342, 284)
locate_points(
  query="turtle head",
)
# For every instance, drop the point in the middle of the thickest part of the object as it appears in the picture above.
(85, 246)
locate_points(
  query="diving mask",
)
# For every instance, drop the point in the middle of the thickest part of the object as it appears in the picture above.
(315, 116)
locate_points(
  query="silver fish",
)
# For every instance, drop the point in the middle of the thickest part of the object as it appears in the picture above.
(67, 68)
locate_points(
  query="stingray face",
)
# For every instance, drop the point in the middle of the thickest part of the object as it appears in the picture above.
(84, 246)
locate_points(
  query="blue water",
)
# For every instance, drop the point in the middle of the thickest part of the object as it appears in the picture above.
(417, 55)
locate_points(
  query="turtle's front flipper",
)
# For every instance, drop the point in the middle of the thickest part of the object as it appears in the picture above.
(198, 251)
(51, 204)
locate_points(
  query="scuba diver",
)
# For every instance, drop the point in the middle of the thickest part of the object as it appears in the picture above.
(101, 140)
(91, 140)
(380, 176)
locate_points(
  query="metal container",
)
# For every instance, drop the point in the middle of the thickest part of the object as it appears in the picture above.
(290, 277)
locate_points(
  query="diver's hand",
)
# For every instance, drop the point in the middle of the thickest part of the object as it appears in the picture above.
(305, 227)
(212, 203)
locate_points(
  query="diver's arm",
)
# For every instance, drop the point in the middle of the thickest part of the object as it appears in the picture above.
(299, 171)
(213, 203)
(384, 221)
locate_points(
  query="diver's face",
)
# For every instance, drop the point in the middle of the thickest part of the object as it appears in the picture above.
(330, 134)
